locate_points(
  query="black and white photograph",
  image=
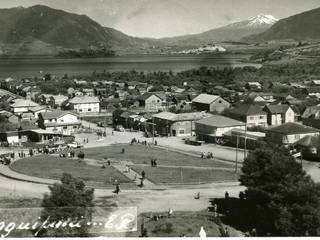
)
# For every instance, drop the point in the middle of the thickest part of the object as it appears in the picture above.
(159, 118)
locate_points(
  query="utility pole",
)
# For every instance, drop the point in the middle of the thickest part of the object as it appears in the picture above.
(245, 142)
(152, 129)
(237, 154)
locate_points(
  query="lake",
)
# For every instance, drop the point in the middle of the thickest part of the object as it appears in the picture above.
(31, 66)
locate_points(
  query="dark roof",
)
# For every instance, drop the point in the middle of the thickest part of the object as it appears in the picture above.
(278, 108)
(220, 121)
(292, 128)
(311, 112)
(309, 141)
(248, 110)
(146, 95)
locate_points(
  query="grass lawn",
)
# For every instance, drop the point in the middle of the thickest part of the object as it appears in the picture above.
(52, 167)
(181, 223)
(166, 175)
(140, 154)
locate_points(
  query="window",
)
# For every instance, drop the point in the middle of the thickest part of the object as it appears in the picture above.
(251, 118)
(181, 131)
(89, 109)
(261, 117)
(65, 127)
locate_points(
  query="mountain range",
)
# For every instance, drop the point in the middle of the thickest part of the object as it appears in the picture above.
(232, 32)
(43, 30)
(300, 27)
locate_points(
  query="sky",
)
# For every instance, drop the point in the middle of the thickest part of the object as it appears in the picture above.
(168, 18)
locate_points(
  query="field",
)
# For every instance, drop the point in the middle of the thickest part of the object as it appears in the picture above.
(53, 167)
(166, 175)
(140, 154)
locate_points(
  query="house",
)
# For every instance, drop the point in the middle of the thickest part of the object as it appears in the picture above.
(259, 97)
(9, 116)
(243, 139)
(85, 104)
(311, 117)
(22, 106)
(315, 82)
(172, 124)
(38, 109)
(64, 122)
(210, 103)
(153, 102)
(309, 147)
(289, 133)
(88, 92)
(55, 101)
(212, 128)
(32, 135)
(253, 86)
(279, 114)
(253, 115)
(313, 91)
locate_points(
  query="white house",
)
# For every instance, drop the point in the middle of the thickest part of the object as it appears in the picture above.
(22, 106)
(63, 122)
(85, 104)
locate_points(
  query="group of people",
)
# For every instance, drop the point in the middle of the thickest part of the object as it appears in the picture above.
(208, 155)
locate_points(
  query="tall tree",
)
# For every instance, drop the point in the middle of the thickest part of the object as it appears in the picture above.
(286, 200)
(68, 200)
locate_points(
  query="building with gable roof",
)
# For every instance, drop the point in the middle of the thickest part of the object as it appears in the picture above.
(279, 114)
(181, 124)
(289, 133)
(253, 115)
(210, 103)
(85, 104)
(65, 122)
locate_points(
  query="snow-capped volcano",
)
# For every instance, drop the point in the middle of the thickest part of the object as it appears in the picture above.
(262, 19)
(258, 21)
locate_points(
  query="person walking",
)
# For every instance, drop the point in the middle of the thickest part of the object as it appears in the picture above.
(143, 174)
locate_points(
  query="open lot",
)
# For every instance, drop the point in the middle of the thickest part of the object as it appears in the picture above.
(140, 154)
(186, 224)
(166, 175)
(53, 167)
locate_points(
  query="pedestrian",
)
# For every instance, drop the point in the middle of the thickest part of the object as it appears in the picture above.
(170, 212)
(197, 196)
(123, 151)
(117, 190)
(151, 162)
(202, 155)
(226, 195)
(127, 169)
(155, 163)
(108, 162)
(84, 140)
(143, 174)
(87, 140)
(141, 182)
(112, 133)
(155, 142)
(226, 232)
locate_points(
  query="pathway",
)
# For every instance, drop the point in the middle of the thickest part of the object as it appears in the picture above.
(7, 172)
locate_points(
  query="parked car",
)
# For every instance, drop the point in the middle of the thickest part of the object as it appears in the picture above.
(74, 145)
(119, 128)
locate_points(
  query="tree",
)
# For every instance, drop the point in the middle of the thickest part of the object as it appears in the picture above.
(285, 199)
(71, 200)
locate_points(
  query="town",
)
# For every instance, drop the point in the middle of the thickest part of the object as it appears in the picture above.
(138, 135)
